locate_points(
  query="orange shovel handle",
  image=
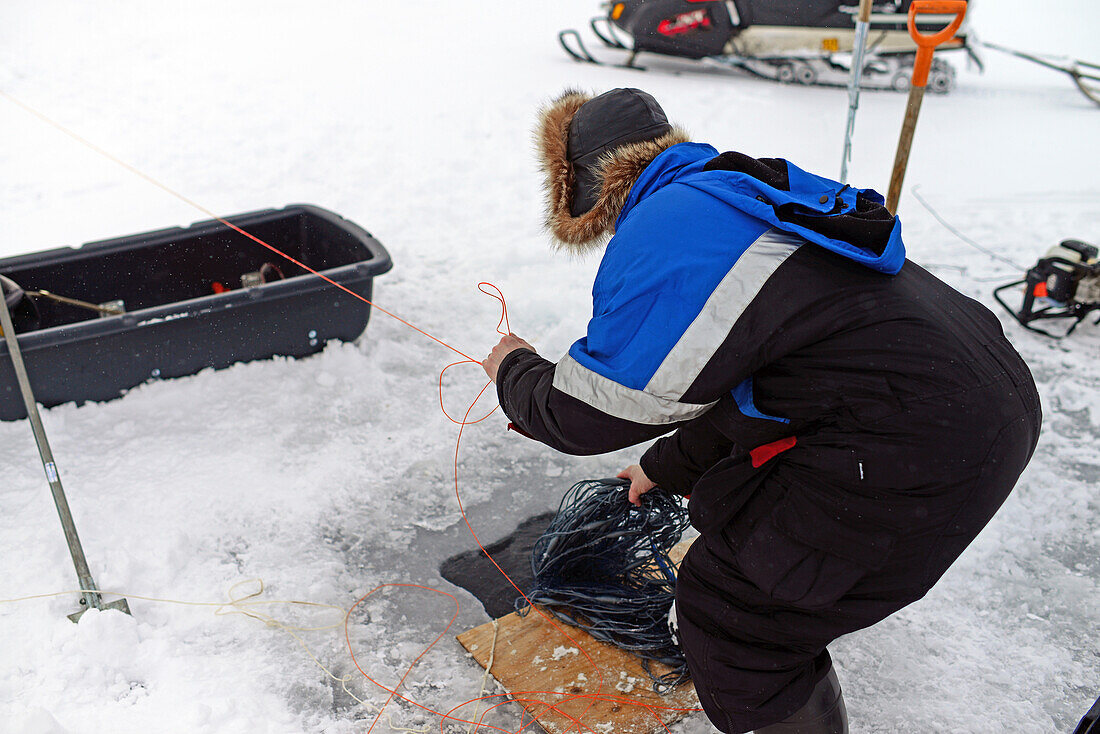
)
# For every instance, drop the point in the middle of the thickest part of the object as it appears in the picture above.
(927, 43)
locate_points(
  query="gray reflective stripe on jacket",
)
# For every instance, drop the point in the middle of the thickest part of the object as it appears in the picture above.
(659, 402)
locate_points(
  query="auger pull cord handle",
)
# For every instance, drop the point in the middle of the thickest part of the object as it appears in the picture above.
(926, 45)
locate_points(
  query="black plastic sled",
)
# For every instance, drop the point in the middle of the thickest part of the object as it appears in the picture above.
(1091, 723)
(96, 320)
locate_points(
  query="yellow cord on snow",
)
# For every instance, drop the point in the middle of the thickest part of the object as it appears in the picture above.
(244, 605)
(474, 721)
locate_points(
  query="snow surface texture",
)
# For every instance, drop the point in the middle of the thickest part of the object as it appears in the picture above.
(330, 475)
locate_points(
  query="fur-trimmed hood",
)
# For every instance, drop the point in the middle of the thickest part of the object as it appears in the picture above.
(618, 169)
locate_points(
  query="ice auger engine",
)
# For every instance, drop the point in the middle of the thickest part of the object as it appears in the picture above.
(1063, 285)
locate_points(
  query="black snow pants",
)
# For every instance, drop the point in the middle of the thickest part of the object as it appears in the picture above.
(849, 526)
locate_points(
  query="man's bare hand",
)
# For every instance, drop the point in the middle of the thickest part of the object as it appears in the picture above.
(639, 483)
(506, 346)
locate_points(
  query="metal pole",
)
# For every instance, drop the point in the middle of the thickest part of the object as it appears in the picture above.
(91, 597)
(854, 77)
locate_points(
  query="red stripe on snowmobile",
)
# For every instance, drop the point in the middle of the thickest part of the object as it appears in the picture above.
(684, 22)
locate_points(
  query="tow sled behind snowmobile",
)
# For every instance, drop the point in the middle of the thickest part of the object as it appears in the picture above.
(789, 41)
(1085, 75)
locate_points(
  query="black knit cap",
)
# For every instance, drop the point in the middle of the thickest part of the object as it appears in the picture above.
(604, 123)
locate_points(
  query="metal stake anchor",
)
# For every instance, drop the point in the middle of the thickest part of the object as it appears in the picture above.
(90, 596)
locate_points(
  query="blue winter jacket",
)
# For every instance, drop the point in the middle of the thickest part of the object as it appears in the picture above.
(681, 232)
(743, 302)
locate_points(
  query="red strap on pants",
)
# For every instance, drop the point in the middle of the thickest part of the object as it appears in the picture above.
(763, 454)
(520, 431)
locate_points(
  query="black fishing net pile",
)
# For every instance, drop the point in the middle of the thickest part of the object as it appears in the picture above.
(602, 565)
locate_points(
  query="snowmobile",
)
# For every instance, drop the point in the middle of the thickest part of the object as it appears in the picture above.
(789, 41)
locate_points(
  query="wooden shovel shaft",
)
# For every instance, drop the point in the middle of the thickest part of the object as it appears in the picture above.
(905, 142)
(926, 45)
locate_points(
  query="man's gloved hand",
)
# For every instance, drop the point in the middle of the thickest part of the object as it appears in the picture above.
(506, 346)
(639, 483)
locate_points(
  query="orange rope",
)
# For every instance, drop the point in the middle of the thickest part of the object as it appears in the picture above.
(212, 215)
(518, 696)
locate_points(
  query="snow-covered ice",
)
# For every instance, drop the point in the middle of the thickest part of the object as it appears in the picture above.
(328, 476)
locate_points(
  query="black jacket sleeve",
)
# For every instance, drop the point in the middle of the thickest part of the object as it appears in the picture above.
(676, 462)
(525, 389)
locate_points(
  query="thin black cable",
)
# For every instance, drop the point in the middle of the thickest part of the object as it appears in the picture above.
(602, 565)
(959, 234)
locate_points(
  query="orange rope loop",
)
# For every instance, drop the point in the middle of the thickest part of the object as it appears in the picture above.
(518, 696)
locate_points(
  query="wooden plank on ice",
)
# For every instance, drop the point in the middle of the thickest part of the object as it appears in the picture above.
(531, 655)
